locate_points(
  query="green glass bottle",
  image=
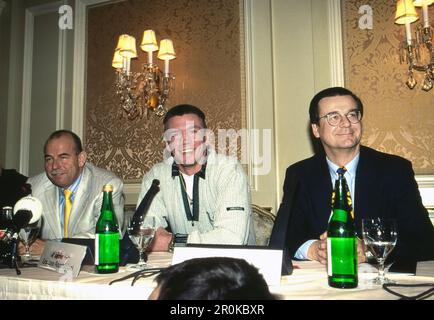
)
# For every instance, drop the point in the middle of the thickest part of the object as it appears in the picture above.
(107, 236)
(341, 238)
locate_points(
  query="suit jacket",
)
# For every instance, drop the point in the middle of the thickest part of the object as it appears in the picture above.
(86, 206)
(384, 187)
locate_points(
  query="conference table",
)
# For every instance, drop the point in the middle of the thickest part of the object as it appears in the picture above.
(308, 281)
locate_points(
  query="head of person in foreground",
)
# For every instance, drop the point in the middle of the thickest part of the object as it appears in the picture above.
(215, 278)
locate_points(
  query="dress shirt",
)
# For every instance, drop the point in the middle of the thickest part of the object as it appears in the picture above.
(189, 182)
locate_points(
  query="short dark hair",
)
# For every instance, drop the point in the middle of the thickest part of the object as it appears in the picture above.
(215, 278)
(60, 133)
(330, 92)
(182, 109)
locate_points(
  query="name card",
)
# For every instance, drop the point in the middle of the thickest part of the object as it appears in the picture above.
(62, 257)
(268, 261)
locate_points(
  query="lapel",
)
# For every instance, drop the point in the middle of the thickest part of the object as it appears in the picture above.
(322, 188)
(366, 187)
(52, 213)
(81, 200)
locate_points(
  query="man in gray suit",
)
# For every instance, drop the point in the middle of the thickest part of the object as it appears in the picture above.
(69, 180)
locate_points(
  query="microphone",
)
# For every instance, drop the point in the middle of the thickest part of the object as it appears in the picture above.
(144, 205)
(27, 210)
(128, 251)
(21, 219)
(31, 204)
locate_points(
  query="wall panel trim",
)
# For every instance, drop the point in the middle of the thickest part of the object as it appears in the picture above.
(2, 6)
(335, 43)
(30, 15)
(79, 73)
(61, 78)
(79, 78)
(249, 85)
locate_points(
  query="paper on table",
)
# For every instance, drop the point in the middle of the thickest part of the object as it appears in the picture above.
(62, 258)
(425, 268)
(268, 261)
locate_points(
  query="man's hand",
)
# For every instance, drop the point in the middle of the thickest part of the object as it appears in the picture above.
(318, 249)
(35, 249)
(161, 242)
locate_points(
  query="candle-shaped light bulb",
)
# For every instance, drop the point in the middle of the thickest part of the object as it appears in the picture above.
(128, 65)
(424, 4)
(425, 15)
(166, 67)
(124, 65)
(408, 32)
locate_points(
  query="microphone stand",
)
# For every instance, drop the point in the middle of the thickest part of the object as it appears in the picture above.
(14, 255)
(8, 251)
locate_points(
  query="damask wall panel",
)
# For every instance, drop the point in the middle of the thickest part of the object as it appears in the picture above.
(397, 120)
(206, 37)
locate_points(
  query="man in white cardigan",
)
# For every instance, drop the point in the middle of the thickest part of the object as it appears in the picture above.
(202, 194)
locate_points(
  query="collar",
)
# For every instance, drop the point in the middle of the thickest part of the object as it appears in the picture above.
(350, 166)
(74, 186)
(200, 173)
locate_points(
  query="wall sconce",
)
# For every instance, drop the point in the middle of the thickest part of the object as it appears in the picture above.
(416, 52)
(148, 90)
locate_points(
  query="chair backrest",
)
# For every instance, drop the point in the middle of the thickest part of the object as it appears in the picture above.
(426, 190)
(263, 221)
(431, 214)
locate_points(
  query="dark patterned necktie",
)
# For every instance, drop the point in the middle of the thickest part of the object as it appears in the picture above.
(341, 171)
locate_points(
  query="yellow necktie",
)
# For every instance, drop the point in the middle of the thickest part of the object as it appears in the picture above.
(66, 211)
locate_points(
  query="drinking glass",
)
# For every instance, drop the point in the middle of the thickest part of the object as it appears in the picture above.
(141, 233)
(28, 235)
(5, 220)
(380, 235)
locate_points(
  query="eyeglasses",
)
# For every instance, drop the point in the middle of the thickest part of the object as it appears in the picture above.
(335, 118)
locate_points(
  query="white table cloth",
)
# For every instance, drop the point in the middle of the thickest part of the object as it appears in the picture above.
(308, 281)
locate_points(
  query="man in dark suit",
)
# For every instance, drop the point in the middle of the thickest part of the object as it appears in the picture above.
(381, 185)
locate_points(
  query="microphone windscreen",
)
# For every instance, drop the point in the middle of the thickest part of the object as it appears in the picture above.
(21, 219)
(31, 204)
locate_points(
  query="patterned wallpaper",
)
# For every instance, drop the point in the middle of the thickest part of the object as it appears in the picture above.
(397, 120)
(206, 37)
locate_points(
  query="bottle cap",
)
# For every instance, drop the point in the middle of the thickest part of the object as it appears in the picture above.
(107, 188)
